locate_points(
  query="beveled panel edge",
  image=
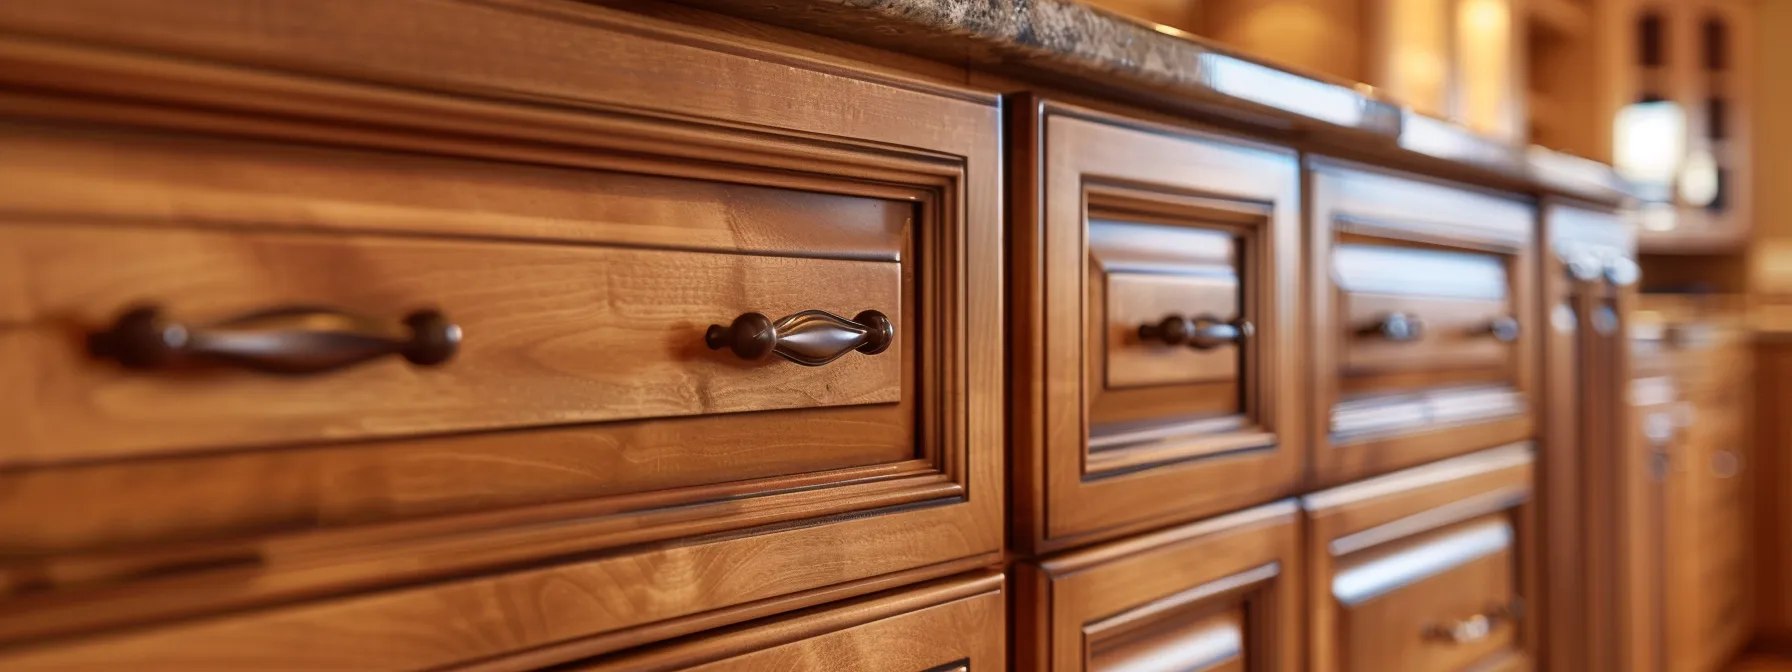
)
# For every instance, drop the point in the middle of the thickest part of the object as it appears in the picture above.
(1476, 214)
(1385, 575)
(1472, 507)
(1237, 582)
(783, 629)
(1457, 468)
(1067, 564)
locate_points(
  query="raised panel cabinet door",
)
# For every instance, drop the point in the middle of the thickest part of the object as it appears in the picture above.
(480, 350)
(1424, 570)
(1424, 296)
(1219, 595)
(1155, 317)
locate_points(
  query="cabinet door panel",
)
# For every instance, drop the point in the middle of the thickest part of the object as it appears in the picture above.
(1425, 293)
(1154, 273)
(1424, 570)
(1216, 595)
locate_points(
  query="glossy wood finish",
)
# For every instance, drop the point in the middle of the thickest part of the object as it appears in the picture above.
(1708, 583)
(1452, 264)
(555, 335)
(1218, 595)
(954, 624)
(1583, 391)
(1772, 473)
(1424, 569)
(236, 159)
(1118, 224)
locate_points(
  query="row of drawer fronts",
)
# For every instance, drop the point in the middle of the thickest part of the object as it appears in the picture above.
(633, 336)
(1421, 566)
(1173, 390)
(1418, 570)
(894, 252)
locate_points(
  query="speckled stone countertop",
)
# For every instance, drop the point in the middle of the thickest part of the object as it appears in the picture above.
(1074, 45)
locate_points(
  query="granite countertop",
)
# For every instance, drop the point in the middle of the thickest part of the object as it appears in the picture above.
(1074, 45)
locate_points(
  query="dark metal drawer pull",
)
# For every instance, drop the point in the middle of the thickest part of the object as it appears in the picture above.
(289, 340)
(809, 338)
(1504, 328)
(1202, 332)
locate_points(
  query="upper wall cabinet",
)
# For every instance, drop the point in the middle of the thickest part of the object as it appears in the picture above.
(1154, 325)
(1422, 297)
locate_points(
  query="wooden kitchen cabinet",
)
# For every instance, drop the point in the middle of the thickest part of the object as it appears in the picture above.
(1156, 325)
(1424, 294)
(403, 377)
(1219, 595)
(1424, 570)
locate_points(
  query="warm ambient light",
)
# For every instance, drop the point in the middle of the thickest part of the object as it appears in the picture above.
(1282, 90)
(1699, 179)
(1648, 143)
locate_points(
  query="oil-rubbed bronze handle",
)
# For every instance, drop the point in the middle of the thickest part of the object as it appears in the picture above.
(290, 340)
(1472, 629)
(1398, 327)
(1503, 328)
(809, 338)
(1202, 332)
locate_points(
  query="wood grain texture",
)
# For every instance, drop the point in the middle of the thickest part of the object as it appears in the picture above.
(959, 621)
(570, 606)
(1163, 177)
(553, 335)
(183, 179)
(110, 506)
(1773, 496)
(1138, 299)
(1435, 224)
(1708, 583)
(1417, 540)
(1220, 594)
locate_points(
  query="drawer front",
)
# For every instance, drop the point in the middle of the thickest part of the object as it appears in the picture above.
(1441, 602)
(954, 622)
(551, 335)
(588, 471)
(955, 625)
(1220, 595)
(1427, 291)
(1160, 330)
(1425, 569)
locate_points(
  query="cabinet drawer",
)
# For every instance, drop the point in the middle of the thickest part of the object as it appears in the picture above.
(552, 335)
(1156, 286)
(955, 625)
(586, 470)
(1216, 595)
(1423, 570)
(934, 626)
(1426, 291)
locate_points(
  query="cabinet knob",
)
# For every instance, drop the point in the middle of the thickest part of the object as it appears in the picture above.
(1504, 328)
(1622, 271)
(809, 338)
(1725, 464)
(1397, 327)
(288, 340)
(1584, 265)
(1474, 628)
(1202, 332)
